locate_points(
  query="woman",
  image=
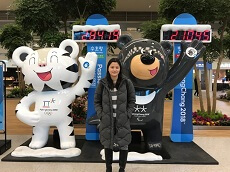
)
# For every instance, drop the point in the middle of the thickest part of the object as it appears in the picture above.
(114, 102)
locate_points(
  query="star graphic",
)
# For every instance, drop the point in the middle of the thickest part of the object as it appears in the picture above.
(143, 109)
(136, 109)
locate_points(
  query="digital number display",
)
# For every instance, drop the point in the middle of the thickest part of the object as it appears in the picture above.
(97, 35)
(188, 35)
(178, 33)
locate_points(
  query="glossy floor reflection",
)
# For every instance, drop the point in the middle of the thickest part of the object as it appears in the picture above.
(217, 147)
(215, 142)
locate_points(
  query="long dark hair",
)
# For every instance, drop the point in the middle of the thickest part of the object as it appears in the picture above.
(110, 81)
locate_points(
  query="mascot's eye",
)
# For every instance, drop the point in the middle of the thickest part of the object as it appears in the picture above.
(151, 52)
(142, 51)
(32, 60)
(53, 58)
(66, 54)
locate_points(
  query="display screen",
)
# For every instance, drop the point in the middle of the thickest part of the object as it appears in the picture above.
(101, 35)
(187, 35)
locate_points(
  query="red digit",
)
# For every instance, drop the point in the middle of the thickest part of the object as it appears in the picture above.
(190, 35)
(174, 35)
(198, 35)
(182, 35)
(110, 35)
(206, 35)
(116, 34)
(100, 34)
(92, 35)
(83, 37)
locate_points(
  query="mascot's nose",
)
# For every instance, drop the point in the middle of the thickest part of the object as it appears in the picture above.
(42, 64)
(147, 59)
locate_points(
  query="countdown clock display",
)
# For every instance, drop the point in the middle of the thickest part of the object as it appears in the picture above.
(177, 33)
(97, 33)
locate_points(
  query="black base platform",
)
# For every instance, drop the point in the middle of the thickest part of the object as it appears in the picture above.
(172, 153)
(4, 146)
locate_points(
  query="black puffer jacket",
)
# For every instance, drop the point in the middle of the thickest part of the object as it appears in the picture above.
(125, 105)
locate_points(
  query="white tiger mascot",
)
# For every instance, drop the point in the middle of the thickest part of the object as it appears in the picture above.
(52, 73)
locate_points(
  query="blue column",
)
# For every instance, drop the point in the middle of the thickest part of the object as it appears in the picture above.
(182, 128)
(2, 109)
(101, 50)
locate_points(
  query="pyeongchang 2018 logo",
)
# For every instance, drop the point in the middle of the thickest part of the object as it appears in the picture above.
(140, 112)
(46, 103)
(47, 107)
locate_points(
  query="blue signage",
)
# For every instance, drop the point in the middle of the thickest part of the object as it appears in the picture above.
(182, 128)
(200, 65)
(100, 48)
(2, 109)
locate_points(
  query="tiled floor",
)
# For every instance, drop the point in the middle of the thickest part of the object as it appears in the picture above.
(214, 142)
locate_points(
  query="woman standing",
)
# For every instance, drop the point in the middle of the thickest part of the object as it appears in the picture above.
(114, 102)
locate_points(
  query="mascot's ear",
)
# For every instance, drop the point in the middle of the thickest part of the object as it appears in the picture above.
(70, 46)
(123, 39)
(20, 54)
(167, 47)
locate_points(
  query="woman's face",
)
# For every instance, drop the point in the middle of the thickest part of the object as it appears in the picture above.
(114, 69)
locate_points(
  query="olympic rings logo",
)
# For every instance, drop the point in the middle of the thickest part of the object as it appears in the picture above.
(48, 113)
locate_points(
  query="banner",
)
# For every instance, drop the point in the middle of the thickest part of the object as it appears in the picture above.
(182, 128)
(100, 48)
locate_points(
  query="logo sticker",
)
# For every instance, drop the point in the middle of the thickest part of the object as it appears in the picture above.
(86, 65)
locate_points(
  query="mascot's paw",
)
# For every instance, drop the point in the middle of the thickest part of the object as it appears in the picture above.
(91, 56)
(37, 144)
(153, 146)
(193, 50)
(89, 62)
(66, 145)
(32, 118)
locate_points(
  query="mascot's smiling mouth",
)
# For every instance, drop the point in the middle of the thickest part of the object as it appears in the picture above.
(153, 72)
(45, 76)
(143, 100)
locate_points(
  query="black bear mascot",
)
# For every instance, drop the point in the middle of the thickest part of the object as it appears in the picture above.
(146, 63)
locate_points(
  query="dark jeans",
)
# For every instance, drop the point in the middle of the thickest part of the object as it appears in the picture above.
(196, 93)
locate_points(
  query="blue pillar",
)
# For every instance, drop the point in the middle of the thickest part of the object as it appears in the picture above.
(182, 128)
(2, 109)
(100, 48)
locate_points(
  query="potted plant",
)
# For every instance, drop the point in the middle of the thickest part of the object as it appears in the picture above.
(214, 119)
(79, 109)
